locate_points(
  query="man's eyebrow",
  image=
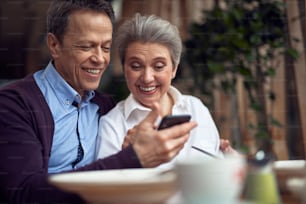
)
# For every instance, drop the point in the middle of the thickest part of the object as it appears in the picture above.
(108, 41)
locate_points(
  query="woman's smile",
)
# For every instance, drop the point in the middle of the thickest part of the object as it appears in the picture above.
(149, 71)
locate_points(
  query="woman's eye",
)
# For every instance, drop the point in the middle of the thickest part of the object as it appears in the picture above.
(159, 66)
(135, 65)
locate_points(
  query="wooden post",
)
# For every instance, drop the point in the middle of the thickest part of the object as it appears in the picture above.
(295, 27)
(278, 111)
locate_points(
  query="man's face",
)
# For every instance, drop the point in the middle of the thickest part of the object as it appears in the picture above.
(84, 53)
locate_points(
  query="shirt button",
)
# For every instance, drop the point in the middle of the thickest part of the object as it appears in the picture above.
(67, 102)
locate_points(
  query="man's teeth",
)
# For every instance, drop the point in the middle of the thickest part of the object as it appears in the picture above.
(93, 71)
(147, 88)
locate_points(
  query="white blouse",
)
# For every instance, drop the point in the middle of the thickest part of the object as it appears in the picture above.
(128, 113)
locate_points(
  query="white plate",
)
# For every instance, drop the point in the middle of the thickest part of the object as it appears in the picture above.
(287, 169)
(290, 168)
(289, 165)
(119, 186)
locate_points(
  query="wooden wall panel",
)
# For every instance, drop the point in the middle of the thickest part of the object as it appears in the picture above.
(278, 111)
(294, 24)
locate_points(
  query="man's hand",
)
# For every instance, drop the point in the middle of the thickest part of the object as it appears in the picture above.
(155, 147)
(129, 138)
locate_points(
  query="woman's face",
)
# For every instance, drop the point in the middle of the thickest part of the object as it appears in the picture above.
(148, 70)
(84, 53)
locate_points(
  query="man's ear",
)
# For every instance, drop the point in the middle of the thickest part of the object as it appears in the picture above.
(53, 45)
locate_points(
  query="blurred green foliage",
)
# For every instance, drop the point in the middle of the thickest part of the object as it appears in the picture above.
(240, 40)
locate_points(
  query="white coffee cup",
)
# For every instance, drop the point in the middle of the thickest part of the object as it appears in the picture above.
(214, 181)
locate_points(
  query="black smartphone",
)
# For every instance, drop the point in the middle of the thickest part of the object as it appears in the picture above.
(170, 120)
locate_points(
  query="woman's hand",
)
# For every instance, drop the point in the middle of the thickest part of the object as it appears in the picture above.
(154, 147)
(226, 148)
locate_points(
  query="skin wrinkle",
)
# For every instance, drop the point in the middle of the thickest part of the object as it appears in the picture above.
(154, 68)
(85, 46)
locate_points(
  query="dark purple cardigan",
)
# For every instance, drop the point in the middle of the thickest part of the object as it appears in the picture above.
(26, 133)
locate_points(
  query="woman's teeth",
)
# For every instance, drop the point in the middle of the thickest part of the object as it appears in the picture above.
(147, 88)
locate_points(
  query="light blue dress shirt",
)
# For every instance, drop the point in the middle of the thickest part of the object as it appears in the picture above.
(60, 96)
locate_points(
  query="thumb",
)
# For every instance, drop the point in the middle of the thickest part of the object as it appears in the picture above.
(153, 115)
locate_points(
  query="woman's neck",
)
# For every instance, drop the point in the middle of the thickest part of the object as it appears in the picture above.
(166, 105)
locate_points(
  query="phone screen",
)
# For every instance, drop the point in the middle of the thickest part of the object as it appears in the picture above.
(171, 120)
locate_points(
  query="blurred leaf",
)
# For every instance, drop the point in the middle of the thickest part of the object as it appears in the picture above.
(271, 72)
(256, 106)
(275, 122)
(293, 53)
(215, 67)
(245, 72)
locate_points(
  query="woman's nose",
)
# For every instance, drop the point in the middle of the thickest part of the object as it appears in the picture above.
(148, 75)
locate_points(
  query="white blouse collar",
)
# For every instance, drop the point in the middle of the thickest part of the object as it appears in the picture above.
(130, 104)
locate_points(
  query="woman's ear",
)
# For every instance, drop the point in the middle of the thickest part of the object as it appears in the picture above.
(53, 45)
(174, 71)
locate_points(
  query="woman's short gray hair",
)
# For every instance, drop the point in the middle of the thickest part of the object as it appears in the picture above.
(152, 29)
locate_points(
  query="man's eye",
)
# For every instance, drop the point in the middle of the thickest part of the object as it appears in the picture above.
(106, 49)
(83, 47)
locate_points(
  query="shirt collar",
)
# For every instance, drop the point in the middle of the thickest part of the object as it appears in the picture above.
(63, 91)
(131, 105)
(177, 96)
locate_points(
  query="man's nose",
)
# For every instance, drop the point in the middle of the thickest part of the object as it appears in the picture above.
(99, 56)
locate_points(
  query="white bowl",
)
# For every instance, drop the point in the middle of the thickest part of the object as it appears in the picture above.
(119, 186)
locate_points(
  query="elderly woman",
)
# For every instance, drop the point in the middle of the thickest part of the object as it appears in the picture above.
(150, 50)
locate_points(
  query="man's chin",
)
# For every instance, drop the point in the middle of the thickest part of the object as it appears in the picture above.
(90, 88)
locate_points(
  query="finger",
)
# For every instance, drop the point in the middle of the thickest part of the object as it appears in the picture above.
(125, 144)
(224, 143)
(178, 130)
(173, 147)
(153, 115)
(131, 131)
(227, 142)
(179, 143)
(130, 136)
(126, 141)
